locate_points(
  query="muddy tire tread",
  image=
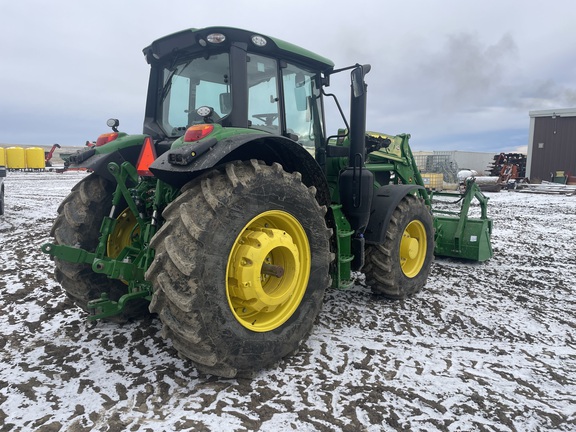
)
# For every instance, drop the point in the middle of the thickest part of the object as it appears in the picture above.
(182, 270)
(383, 272)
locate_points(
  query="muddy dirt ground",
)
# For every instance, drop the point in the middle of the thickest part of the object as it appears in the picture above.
(485, 346)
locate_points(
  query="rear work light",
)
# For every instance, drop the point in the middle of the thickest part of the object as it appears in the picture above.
(106, 138)
(259, 40)
(216, 38)
(197, 132)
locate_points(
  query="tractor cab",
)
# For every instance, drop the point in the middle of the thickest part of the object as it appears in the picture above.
(236, 79)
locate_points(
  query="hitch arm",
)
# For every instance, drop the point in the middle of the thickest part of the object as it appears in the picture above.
(104, 307)
(68, 253)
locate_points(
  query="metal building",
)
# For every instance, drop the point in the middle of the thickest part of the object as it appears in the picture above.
(451, 161)
(551, 144)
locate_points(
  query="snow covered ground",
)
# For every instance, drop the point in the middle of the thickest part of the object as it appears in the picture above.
(488, 347)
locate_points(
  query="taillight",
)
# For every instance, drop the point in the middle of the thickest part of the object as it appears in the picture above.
(147, 156)
(106, 138)
(197, 132)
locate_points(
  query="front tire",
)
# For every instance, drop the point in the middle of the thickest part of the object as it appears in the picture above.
(399, 267)
(241, 267)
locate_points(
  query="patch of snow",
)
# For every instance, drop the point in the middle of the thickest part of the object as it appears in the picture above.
(485, 346)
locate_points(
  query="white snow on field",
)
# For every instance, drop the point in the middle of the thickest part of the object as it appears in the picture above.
(485, 346)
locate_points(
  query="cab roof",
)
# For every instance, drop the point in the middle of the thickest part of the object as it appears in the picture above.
(195, 40)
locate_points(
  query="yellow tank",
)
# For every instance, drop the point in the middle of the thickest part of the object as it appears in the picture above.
(15, 158)
(2, 156)
(35, 159)
(434, 181)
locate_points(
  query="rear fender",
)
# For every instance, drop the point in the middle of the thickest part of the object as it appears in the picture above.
(385, 200)
(124, 149)
(268, 148)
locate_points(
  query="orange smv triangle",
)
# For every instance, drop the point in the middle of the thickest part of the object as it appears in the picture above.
(147, 156)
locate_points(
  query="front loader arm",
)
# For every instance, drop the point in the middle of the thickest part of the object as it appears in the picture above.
(393, 154)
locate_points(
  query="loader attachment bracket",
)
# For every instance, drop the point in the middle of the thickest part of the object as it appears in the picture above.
(457, 234)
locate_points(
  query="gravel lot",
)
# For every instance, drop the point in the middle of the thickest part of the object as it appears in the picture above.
(488, 347)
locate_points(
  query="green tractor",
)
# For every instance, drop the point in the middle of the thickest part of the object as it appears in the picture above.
(234, 210)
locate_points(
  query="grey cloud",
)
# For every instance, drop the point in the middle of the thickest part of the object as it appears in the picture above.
(468, 73)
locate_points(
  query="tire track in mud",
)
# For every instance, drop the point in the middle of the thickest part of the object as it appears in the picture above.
(486, 346)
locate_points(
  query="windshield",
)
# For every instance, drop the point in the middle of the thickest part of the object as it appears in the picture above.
(191, 84)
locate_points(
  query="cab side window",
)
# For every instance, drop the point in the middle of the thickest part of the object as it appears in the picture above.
(301, 101)
(263, 107)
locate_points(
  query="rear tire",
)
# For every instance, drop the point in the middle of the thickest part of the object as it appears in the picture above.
(399, 267)
(215, 302)
(78, 224)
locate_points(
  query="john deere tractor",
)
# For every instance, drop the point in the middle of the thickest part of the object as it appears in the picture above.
(234, 210)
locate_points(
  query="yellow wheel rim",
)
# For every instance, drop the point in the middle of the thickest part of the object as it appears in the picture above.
(413, 248)
(125, 231)
(268, 270)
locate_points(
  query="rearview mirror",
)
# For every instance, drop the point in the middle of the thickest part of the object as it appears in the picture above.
(225, 103)
(357, 77)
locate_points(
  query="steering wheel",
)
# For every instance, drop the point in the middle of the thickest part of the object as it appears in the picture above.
(268, 118)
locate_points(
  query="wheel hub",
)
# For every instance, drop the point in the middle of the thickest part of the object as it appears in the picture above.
(268, 271)
(125, 233)
(413, 247)
(275, 249)
(409, 248)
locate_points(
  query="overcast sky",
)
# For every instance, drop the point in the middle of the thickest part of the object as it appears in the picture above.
(456, 74)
